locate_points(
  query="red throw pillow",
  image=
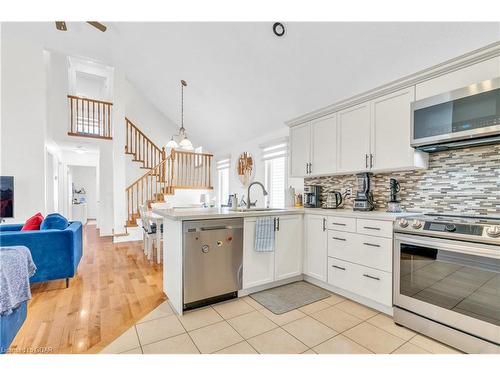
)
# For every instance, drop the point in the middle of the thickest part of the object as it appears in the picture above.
(33, 223)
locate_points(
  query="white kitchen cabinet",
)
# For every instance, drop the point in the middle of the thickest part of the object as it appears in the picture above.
(258, 267)
(367, 282)
(390, 133)
(316, 247)
(285, 261)
(354, 138)
(370, 251)
(288, 247)
(324, 145)
(300, 150)
(471, 74)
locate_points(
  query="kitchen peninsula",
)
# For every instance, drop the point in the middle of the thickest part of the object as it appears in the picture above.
(303, 250)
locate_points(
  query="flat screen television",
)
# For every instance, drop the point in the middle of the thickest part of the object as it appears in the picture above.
(6, 196)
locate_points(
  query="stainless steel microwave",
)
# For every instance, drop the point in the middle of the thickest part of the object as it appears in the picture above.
(464, 117)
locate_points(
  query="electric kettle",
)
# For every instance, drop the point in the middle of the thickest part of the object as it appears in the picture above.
(333, 200)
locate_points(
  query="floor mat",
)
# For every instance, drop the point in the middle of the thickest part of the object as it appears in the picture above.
(289, 297)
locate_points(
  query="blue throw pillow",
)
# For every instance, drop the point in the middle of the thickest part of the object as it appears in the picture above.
(54, 221)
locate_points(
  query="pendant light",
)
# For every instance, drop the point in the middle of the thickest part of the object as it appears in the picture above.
(172, 143)
(184, 142)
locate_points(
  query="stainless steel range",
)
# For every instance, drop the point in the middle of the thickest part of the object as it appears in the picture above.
(447, 279)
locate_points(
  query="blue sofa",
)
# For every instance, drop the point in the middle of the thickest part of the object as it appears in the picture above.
(10, 325)
(56, 253)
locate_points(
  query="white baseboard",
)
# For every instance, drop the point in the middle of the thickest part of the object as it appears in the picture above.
(274, 284)
(134, 234)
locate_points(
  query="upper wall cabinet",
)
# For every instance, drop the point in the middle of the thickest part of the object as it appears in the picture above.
(390, 133)
(476, 73)
(354, 138)
(324, 145)
(313, 147)
(300, 150)
(370, 137)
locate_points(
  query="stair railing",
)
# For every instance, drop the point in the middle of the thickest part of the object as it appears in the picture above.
(141, 147)
(179, 170)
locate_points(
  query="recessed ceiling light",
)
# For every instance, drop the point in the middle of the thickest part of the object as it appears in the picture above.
(278, 29)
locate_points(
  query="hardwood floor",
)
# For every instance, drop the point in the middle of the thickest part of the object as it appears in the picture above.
(115, 286)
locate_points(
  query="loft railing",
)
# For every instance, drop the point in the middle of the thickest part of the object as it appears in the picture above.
(89, 117)
(192, 170)
(179, 170)
(141, 147)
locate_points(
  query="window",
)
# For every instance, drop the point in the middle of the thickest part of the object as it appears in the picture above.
(223, 181)
(275, 156)
(198, 161)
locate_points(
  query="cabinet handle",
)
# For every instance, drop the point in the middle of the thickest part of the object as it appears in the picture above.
(310, 168)
(274, 222)
(339, 268)
(341, 224)
(372, 228)
(371, 244)
(366, 161)
(371, 161)
(338, 239)
(371, 277)
(307, 168)
(324, 224)
(278, 223)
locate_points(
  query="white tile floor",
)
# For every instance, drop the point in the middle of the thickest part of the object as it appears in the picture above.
(242, 326)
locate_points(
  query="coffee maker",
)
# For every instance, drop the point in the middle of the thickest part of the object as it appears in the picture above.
(364, 197)
(312, 196)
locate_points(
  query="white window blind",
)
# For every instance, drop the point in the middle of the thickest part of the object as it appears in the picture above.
(276, 172)
(276, 150)
(223, 180)
(223, 164)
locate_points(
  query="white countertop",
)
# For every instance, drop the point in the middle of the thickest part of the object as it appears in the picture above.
(216, 213)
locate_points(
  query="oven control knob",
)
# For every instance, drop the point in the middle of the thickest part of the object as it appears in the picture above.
(493, 231)
(450, 227)
(403, 223)
(416, 224)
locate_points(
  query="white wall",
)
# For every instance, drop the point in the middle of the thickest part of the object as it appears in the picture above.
(86, 177)
(69, 159)
(23, 122)
(252, 146)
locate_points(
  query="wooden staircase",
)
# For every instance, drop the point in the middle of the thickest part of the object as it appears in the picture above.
(178, 170)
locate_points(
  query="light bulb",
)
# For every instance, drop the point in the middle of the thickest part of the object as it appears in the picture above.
(172, 143)
(186, 144)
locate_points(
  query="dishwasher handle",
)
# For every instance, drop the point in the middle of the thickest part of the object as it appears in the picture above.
(204, 229)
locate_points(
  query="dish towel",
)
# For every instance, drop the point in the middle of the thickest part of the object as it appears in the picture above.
(16, 268)
(264, 234)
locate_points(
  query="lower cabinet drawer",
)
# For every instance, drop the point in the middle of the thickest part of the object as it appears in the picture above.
(344, 224)
(364, 281)
(369, 251)
(374, 227)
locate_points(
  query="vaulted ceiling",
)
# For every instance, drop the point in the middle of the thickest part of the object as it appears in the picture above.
(243, 81)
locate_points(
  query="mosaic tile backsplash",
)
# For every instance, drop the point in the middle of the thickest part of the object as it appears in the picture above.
(464, 181)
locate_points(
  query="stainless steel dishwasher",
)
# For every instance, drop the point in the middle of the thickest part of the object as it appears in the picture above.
(213, 261)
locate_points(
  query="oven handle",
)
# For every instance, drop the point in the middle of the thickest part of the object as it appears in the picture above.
(460, 247)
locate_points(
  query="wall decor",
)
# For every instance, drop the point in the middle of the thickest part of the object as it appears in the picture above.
(462, 182)
(245, 168)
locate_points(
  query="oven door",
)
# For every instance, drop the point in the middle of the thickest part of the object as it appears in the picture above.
(451, 282)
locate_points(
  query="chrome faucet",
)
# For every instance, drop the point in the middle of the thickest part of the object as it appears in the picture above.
(248, 191)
